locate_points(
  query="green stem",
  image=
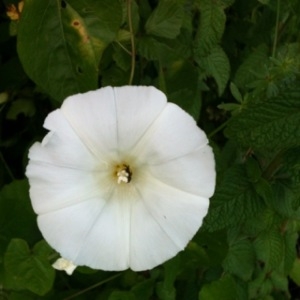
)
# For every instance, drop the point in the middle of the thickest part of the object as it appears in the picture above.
(93, 286)
(276, 29)
(273, 166)
(210, 135)
(127, 51)
(11, 175)
(132, 41)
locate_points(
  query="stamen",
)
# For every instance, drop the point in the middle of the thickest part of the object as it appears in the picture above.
(124, 174)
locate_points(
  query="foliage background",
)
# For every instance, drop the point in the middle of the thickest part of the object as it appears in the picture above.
(233, 65)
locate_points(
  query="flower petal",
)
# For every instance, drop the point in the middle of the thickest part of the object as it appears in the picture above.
(66, 229)
(93, 117)
(193, 173)
(58, 146)
(173, 134)
(137, 108)
(162, 223)
(63, 264)
(106, 246)
(53, 188)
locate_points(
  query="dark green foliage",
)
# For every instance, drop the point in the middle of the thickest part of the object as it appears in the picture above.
(234, 66)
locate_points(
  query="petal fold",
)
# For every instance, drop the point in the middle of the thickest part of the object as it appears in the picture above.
(163, 221)
(173, 134)
(194, 173)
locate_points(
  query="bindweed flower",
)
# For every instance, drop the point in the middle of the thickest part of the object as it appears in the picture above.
(122, 180)
(63, 264)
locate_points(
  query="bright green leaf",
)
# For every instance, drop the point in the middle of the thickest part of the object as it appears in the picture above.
(60, 43)
(28, 270)
(295, 272)
(224, 288)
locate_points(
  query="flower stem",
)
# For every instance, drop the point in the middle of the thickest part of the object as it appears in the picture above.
(210, 135)
(93, 286)
(276, 29)
(11, 175)
(273, 166)
(129, 6)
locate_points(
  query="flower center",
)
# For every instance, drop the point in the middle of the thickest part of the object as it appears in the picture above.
(124, 174)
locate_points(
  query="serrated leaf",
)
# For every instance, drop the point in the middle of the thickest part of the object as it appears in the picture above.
(234, 201)
(240, 260)
(224, 288)
(295, 272)
(270, 125)
(235, 92)
(159, 50)
(166, 20)
(216, 64)
(17, 218)
(269, 247)
(246, 73)
(60, 43)
(28, 270)
(211, 26)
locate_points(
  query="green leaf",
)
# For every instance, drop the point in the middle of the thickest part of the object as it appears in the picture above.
(122, 58)
(60, 43)
(166, 289)
(240, 259)
(270, 125)
(269, 247)
(295, 272)
(214, 247)
(216, 64)
(166, 20)
(234, 201)
(224, 288)
(122, 295)
(28, 270)
(211, 26)
(158, 50)
(182, 87)
(143, 290)
(235, 92)
(254, 63)
(21, 106)
(17, 219)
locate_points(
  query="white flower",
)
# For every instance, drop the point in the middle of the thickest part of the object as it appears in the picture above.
(63, 264)
(122, 180)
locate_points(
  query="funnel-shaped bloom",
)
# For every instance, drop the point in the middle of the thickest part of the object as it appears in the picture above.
(122, 180)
